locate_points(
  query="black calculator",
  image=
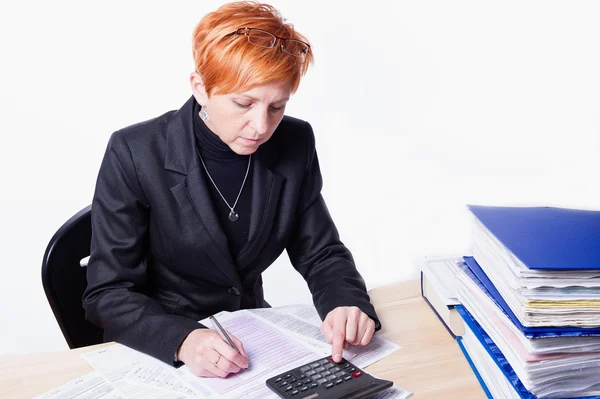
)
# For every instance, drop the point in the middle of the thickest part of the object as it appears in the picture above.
(325, 378)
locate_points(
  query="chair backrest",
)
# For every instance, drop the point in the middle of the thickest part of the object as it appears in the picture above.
(65, 281)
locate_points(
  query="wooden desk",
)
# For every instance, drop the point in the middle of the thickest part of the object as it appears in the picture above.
(429, 364)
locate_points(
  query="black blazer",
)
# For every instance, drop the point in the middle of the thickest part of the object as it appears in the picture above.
(159, 258)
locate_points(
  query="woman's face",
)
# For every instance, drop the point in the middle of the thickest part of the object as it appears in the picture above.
(244, 120)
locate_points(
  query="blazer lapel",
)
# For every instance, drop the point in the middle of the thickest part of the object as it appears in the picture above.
(193, 194)
(266, 190)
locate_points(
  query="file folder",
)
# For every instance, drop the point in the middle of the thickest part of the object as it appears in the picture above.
(496, 356)
(546, 238)
(474, 368)
(481, 279)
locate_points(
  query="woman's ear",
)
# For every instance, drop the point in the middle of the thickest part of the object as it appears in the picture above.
(198, 89)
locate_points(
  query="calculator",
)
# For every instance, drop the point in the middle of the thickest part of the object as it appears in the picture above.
(325, 378)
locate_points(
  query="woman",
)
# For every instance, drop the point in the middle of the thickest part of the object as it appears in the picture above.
(191, 207)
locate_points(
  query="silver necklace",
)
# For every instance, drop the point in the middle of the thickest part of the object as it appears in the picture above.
(233, 216)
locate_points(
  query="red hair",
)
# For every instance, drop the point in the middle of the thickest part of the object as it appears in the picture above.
(229, 63)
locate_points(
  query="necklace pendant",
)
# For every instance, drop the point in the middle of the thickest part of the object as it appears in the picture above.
(233, 216)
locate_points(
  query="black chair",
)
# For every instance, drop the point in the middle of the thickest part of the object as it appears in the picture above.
(64, 279)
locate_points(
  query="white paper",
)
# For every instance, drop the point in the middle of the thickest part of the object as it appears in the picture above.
(394, 392)
(440, 271)
(306, 331)
(139, 375)
(376, 350)
(269, 351)
(93, 385)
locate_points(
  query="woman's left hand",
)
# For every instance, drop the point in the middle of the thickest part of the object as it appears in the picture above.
(347, 325)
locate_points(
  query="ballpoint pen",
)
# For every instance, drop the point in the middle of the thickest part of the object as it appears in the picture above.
(223, 333)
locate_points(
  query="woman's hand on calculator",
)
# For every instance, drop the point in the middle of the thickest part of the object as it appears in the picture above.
(347, 325)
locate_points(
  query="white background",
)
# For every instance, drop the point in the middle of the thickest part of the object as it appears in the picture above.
(419, 108)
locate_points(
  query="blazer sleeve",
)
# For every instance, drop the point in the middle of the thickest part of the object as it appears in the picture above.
(117, 272)
(317, 252)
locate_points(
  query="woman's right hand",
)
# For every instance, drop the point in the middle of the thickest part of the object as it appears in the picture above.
(207, 355)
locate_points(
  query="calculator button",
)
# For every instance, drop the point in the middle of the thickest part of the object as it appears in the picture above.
(292, 380)
(329, 385)
(304, 389)
(310, 373)
(313, 385)
(338, 381)
(323, 381)
(335, 369)
(348, 377)
(298, 375)
(329, 365)
(283, 383)
(298, 384)
(288, 388)
(340, 374)
(294, 392)
(345, 365)
(313, 365)
(331, 377)
(356, 374)
(320, 369)
(305, 368)
(278, 379)
(352, 369)
(287, 376)
(317, 376)
(326, 373)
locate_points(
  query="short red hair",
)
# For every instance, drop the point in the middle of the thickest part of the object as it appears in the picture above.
(229, 63)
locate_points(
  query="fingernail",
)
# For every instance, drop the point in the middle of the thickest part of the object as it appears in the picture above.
(337, 358)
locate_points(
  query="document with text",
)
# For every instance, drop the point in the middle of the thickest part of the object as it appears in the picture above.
(93, 385)
(275, 339)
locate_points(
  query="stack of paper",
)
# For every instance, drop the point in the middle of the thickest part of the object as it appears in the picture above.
(530, 300)
(555, 278)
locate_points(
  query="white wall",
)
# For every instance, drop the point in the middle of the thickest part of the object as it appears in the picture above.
(419, 108)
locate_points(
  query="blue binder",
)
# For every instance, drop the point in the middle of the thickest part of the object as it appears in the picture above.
(474, 271)
(544, 237)
(497, 356)
(474, 368)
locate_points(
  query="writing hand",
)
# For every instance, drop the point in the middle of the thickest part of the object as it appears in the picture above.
(347, 324)
(207, 355)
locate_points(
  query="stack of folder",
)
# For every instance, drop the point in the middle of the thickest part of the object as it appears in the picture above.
(530, 300)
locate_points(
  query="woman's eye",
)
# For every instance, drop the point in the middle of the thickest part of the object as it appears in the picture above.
(275, 109)
(241, 105)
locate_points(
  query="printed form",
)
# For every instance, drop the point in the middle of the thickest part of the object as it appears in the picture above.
(91, 386)
(276, 340)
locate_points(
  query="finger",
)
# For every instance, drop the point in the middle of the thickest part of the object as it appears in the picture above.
(339, 329)
(363, 323)
(370, 330)
(239, 345)
(214, 369)
(234, 360)
(352, 320)
(227, 365)
(216, 364)
(326, 329)
(209, 363)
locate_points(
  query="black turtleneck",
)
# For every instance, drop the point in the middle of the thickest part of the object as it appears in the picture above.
(227, 169)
